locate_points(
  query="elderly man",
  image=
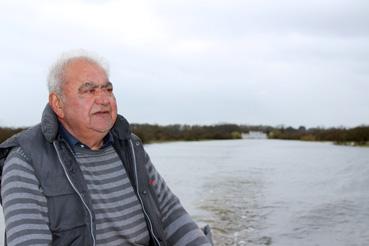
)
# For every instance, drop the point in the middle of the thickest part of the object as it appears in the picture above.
(80, 177)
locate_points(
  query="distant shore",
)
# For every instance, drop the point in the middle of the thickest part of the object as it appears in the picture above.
(149, 133)
(357, 136)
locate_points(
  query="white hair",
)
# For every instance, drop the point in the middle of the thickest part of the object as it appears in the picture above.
(57, 71)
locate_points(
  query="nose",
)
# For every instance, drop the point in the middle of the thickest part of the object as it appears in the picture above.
(102, 98)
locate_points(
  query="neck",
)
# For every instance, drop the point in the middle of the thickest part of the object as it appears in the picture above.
(93, 144)
(93, 139)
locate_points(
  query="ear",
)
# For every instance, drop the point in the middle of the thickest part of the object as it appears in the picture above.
(56, 104)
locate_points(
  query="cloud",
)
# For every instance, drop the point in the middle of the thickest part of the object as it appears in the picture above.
(207, 61)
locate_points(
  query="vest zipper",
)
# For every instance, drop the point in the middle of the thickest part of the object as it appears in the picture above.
(78, 193)
(138, 194)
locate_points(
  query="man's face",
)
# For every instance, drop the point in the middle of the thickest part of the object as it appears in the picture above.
(88, 101)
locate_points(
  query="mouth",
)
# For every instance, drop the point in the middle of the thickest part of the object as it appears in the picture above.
(102, 112)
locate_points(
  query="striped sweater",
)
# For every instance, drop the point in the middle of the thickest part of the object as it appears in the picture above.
(119, 218)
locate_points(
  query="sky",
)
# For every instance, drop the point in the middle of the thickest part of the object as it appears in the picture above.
(270, 62)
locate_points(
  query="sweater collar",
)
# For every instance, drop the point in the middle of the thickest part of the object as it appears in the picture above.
(72, 141)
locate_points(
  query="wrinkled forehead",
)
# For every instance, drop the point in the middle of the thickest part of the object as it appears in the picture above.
(81, 71)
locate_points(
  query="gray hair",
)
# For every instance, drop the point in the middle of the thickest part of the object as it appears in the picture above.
(57, 71)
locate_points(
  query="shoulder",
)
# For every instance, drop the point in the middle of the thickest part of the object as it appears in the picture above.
(30, 134)
(27, 135)
(17, 159)
(139, 148)
(18, 153)
(31, 140)
(136, 140)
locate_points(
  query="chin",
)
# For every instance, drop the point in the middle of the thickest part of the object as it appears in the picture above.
(101, 125)
(101, 128)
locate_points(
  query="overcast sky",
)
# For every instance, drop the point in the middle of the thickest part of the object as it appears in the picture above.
(267, 62)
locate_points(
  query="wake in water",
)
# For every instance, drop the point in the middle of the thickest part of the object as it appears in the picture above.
(234, 213)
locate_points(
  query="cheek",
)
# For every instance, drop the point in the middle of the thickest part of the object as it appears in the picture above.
(80, 110)
(113, 104)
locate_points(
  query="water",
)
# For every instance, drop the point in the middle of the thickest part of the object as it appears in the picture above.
(271, 192)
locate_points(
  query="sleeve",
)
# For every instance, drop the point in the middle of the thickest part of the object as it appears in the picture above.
(179, 227)
(24, 204)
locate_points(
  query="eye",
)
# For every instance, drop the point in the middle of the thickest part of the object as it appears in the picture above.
(91, 91)
(109, 89)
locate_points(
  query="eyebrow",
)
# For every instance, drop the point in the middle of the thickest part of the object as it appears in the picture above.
(92, 85)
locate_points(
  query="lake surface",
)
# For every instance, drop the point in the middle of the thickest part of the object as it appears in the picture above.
(270, 192)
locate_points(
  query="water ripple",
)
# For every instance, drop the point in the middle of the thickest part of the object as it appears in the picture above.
(235, 214)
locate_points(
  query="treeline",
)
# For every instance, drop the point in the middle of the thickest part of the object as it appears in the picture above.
(157, 133)
(356, 136)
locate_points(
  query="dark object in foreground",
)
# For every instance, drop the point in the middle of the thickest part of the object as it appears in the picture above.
(207, 231)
